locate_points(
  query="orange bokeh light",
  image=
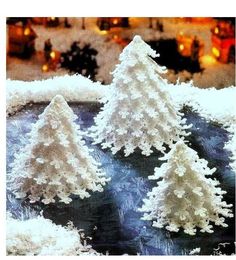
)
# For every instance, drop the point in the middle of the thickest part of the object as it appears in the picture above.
(53, 55)
(45, 68)
(216, 52)
(27, 31)
(181, 47)
(216, 31)
(115, 21)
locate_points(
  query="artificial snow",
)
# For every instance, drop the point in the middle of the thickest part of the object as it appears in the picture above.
(212, 104)
(218, 75)
(39, 236)
(195, 251)
(73, 88)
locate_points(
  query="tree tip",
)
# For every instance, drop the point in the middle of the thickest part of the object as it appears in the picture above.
(58, 98)
(137, 38)
(180, 143)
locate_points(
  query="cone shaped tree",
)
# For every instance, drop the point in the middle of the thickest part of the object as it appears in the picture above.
(184, 197)
(138, 112)
(56, 162)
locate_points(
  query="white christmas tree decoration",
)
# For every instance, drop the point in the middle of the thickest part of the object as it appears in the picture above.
(138, 112)
(184, 197)
(56, 162)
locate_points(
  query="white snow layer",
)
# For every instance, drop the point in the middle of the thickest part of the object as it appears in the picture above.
(73, 88)
(39, 236)
(213, 104)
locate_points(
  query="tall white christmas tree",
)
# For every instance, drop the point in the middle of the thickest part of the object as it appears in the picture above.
(56, 162)
(138, 112)
(184, 197)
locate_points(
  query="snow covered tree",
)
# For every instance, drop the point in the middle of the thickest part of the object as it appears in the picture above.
(184, 197)
(138, 112)
(56, 162)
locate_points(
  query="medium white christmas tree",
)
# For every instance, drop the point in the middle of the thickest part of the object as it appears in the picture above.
(56, 162)
(138, 112)
(184, 197)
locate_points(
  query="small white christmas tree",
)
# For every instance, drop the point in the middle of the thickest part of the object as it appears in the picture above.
(138, 112)
(184, 197)
(56, 162)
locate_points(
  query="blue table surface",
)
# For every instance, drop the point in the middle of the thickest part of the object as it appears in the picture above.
(111, 217)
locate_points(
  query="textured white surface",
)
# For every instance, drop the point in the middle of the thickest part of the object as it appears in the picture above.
(56, 161)
(39, 236)
(138, 113)
(73, 88)
(184, 197)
